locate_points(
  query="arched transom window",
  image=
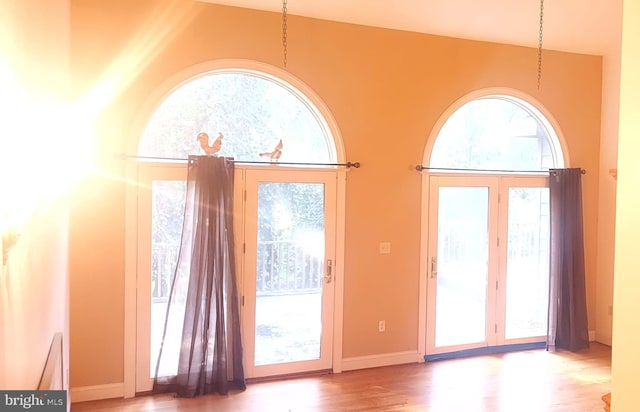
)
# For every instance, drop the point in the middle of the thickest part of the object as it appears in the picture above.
(497, 133)
(252, 110)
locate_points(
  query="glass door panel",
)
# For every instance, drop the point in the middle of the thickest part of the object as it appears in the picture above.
(289, 272)
(462, 265)
(288, 285)
(167, 211)
(527, 268)
(160, 208)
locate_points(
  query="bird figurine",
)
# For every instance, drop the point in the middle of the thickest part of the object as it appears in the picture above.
(203, 138)
(274, 155)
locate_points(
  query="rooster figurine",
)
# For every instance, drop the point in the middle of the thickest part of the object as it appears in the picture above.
(274, 156)
(203, 138)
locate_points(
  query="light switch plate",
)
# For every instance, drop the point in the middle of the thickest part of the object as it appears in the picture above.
(385, 248)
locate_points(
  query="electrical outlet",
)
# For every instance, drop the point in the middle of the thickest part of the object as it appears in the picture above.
(381, 326)
(385, 248)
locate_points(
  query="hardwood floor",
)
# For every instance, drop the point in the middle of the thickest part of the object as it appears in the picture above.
(529, 381)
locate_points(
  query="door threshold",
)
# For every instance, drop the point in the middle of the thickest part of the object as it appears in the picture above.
(487, 350)
(289, 376)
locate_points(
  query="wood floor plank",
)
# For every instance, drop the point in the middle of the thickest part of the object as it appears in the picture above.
(529, 381)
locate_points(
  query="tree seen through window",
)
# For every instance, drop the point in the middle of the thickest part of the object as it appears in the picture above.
(493, 133)
(251, 111)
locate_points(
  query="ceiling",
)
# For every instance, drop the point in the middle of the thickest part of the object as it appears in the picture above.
(582, 26)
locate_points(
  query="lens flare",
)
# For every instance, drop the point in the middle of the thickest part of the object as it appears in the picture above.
(42, 151)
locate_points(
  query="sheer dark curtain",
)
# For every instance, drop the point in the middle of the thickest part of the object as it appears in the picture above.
(567, 327)
(201, 349)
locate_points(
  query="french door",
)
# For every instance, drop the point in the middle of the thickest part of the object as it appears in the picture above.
(488, 261)
(290, 220)
(285, 250)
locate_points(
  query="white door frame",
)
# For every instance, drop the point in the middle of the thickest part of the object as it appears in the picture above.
(425, 293)
(252, 179)
(132, 275)
(146, 174)
(492, 185)
(507, 182)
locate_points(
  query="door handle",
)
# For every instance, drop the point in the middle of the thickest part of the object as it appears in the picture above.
(434, 267)
(329, 275)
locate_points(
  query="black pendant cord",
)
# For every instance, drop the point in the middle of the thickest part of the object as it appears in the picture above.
(540, 34)
(284, 32)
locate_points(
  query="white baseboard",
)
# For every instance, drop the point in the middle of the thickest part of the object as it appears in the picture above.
(398, 358)
(93, 393)
(374, 361)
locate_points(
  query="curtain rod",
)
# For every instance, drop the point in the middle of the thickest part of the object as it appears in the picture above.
(355, 165)
(420, 168)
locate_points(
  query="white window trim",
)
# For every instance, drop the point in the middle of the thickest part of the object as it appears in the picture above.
(327, 121)
(551, 126)
(557, 143)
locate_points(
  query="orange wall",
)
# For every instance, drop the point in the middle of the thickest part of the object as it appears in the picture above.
(96, 275)
(385, 88)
